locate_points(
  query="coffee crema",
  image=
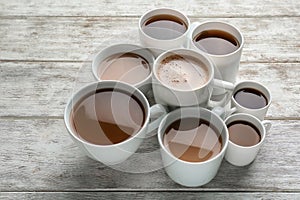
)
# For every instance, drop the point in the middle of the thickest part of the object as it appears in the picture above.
(250, 98)
(216, 42)
(107, 116)
(182, 72)
(243, 133)
(164, 27)
(127, 67)
(192, 140)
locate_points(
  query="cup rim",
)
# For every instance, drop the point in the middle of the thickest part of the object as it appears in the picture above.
(209, 68)
(193, 109)
(162, 9)
(254, 118)
(269, 96)
(127, 45)
(69, 106)
(220, 22)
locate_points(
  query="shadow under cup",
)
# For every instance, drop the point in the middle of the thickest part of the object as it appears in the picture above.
(187, 173)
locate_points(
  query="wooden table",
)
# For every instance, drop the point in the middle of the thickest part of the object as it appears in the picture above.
(46, 49)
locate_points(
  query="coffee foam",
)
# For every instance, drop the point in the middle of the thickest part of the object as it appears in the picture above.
(183, 72)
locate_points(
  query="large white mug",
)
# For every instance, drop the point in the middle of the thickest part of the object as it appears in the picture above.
(226, 65)
(167, 95)
(111, 154)
(159, 45)
(186, 173)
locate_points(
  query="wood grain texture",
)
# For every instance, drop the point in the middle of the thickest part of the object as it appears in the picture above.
(43, 88)
(39, 155)
(78, 39)
(148, 195)
(229, 8)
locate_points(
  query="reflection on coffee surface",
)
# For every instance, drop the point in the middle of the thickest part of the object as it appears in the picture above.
(127, 67)
(192, 140)
(243, 133)
(107, 116)
(164, 27)
(216, 42)
(182, 72)
(250, 98)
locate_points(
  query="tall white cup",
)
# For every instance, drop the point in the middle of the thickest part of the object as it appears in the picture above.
(227, 65)
(192, 174)
(157, 46)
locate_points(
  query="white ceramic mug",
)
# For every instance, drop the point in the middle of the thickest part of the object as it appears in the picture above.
(243, 155)
(260, 113)
(166, 95)
(227, 65)
(114, 153)
(144, 85)
(192, 174)
(157, 46)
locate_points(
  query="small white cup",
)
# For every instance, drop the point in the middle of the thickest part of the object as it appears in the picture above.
(259, 113)
(144, 85)
(192, 174)
(115, 153)
(227, 65)
(241, 155)
(157, 46)
(166, 95)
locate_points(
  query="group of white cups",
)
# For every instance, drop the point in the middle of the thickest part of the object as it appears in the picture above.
(172, 104)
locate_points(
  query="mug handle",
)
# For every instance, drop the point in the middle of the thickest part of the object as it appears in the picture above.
(217, 83)
(157, 112)
(221, 112)
(267, 124)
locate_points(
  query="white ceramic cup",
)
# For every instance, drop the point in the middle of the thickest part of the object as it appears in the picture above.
(144, 85)
(241, 155)
(227, 65)
(260, 113)
(166, 95)
(192, 174)
(157, 46)
(115, 153)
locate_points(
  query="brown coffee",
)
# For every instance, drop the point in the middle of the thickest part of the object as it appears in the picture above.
(216, 42)
(243, 133)
(184, 73)
(250, 98)
(107, 116)
(127, 67)
(192, 140)
(164, 27)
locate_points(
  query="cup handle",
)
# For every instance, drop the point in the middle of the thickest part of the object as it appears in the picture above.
(216, 83)
(157, 112)
(221, 112)
(267, 124)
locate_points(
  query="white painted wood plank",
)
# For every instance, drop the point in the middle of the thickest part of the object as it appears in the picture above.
(39, 155)
(43, 88)
(78, 39)
(149, 195)
(228, 8)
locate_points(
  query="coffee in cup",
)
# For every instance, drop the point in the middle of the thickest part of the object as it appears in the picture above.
(127, 63)
(192, 139)
(246, 135)
(109, 119)
(163, 29)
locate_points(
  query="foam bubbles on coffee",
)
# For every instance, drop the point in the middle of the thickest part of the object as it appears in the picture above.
(184, 73)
